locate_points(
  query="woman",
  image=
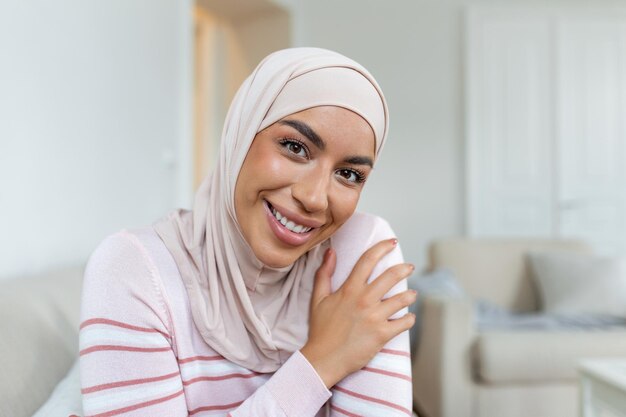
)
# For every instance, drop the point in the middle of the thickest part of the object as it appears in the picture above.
(272, 297)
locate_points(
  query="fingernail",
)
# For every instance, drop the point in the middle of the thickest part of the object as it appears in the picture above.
(326, 254)
(413, 292)
(394, 241)
(412, 267)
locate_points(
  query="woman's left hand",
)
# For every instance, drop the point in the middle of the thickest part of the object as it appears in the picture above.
(348, 327)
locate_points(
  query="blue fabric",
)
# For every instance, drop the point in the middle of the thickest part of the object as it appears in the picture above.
(492, 317)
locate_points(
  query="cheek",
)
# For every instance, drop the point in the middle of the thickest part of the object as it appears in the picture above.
(275, 171)
(260, 172)
(344, 204)
(275, 165)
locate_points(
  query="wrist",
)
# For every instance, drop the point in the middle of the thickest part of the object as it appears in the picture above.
(328, 372)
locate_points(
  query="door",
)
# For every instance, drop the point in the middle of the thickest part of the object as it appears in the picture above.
(591, 133)
(510, 141)
(546, 124)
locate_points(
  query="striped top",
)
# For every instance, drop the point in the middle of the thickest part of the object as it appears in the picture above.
(141, 355)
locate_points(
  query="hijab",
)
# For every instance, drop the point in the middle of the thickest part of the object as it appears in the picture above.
(255, 315)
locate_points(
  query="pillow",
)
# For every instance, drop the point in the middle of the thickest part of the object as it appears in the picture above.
(439, 282)
(66, 399)
(580, 283)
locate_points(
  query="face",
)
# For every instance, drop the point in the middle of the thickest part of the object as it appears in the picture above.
(301, 180)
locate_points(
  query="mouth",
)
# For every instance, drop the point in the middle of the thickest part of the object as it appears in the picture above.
(289, 224)
(286, 229)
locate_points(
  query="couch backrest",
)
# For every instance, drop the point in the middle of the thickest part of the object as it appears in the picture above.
(39, 342)
(496, 269)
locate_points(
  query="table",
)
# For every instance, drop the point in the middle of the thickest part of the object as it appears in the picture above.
(603, 387)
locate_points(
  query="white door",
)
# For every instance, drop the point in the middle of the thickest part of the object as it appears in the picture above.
(510, 184)
(547, 125)
(591, 133)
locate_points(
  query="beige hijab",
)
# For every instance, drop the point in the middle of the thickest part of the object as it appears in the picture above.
(251, 314)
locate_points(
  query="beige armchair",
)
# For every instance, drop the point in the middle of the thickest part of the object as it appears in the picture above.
(461, 371)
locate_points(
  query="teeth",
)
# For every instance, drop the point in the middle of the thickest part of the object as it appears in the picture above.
(296, 228)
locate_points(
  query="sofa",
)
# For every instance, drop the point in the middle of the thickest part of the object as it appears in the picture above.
(39, 343)
(461, 371)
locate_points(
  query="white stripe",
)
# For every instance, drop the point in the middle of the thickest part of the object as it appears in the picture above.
(391, 363)
(94, 335)
(102, 401)
(363, 407)
(218, 368)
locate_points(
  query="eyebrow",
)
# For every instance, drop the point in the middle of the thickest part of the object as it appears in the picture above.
(360, 160)
(306, 130)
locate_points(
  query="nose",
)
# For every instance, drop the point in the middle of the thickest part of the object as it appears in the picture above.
(311, 191)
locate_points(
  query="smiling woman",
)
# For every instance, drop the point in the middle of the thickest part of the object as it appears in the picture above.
(272, 297)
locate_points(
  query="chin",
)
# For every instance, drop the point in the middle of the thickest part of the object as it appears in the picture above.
(275, 260)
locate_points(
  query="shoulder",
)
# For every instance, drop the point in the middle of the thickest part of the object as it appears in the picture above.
(361, 231)
(122, 283)
(117, 252)
(120, 264)
(358, 234)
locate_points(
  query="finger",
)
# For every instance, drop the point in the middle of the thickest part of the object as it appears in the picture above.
(366, 263)
(387, 280)
(397, 326)
(321, 286)
(392, 305)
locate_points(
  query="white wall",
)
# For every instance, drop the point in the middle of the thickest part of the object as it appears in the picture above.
(415, 50)
(94, 118)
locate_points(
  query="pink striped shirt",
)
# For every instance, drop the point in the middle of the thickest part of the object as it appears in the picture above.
(141, 355)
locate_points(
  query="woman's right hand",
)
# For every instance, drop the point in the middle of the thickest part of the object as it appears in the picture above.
(348, 327)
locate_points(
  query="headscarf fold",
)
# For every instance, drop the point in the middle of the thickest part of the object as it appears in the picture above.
(254, 315)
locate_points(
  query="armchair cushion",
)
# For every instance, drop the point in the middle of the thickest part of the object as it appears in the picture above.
(579, 283)
(540, 356)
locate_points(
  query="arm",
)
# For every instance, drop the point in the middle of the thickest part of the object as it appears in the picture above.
(127, 354)
(127, 363)
(295, 390)
(443, 383)
(383, 386)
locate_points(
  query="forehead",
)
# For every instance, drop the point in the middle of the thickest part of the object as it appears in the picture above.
(338, 127)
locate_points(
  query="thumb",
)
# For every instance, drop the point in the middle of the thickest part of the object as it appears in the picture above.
(321, 287)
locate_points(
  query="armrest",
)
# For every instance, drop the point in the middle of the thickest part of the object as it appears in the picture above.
(442, 376)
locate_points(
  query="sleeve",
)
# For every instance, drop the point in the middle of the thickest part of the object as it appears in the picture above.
(384, 386)
(127, 363)
(295, 390)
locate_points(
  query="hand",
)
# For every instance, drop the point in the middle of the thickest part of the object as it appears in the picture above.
(348, 327)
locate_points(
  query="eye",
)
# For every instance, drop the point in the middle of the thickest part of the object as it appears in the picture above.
(295, 147)
(351, 175)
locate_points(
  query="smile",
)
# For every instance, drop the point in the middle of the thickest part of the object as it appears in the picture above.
(286, 230)
(294, 227)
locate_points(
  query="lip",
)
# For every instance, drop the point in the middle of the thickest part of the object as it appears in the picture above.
(295, 217)
(285, 235)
